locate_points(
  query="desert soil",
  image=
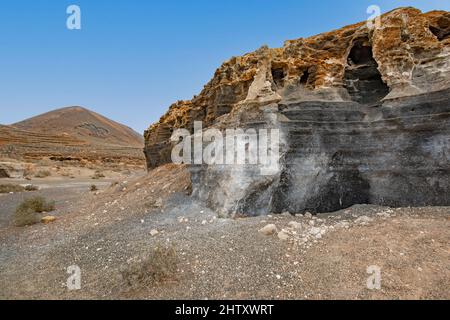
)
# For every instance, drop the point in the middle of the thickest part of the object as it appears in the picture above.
(322, 257)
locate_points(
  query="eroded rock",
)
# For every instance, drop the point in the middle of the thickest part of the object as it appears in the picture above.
(364, 118)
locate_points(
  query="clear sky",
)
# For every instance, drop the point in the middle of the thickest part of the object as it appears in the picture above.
(133, 58)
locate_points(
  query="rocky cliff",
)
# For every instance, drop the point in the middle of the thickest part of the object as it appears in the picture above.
(364, 115)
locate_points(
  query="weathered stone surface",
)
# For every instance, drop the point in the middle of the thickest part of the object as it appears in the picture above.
(364, 118)
(48, 219)
(269, 230)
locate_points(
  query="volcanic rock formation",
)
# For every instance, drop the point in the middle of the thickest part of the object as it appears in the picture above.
(364, 115)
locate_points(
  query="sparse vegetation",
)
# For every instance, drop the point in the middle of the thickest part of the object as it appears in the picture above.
(30, 188)
(98, 175)
(27, 213)
(8, 188)
(161, 266)
(94, 188)
(43, 174)
(4, 173)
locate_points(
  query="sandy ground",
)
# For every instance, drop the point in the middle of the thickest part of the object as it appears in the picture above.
(323, 257)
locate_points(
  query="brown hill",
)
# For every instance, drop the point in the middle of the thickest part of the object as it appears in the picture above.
(81, 124)
(71, 133)
(12, 135)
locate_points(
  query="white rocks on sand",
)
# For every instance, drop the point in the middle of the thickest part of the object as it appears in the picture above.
(295, 225)
(363, 220)
(283, 235)
(269, 230)
(154, 232)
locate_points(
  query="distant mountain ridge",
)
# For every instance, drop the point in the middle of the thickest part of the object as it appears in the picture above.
(82, 124)
(71, 133)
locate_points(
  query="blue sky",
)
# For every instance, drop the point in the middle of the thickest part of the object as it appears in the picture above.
(133, 58)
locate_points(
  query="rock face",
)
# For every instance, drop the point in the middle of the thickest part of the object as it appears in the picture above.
(364, 115)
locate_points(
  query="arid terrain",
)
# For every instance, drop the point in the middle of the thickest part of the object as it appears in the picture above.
(111, 235)
(68, 146)
(357, 205)
(68, 138)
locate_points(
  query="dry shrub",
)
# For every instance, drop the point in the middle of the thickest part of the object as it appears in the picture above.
(93, 188)
(28, 172)
(27, 213)
(7, 188)
(30, 187)
(159, 267)
(43, 174)
(4, 173)
(98, 175)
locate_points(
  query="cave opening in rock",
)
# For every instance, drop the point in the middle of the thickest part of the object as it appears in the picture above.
(362, 79)
(278, 76)
(304, 78)
(440, 33)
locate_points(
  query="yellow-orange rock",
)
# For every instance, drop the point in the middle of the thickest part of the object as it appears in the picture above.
(411, 50)
(48, 219)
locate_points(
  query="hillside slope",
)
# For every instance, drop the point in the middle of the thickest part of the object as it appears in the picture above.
(82, 124)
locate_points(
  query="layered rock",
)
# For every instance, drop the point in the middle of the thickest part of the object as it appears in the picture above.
(363, 113)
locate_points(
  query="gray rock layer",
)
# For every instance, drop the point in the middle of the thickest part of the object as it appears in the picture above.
(337, 154)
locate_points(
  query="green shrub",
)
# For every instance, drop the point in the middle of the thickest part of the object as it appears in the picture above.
(27, 213)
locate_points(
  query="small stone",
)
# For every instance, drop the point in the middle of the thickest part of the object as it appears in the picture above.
(308, 215)
(48, 219)
(283, 235)
(269, 230)
(204, 222)
(363, 220)
(295, 225)
(154, 232)
(315, 231)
